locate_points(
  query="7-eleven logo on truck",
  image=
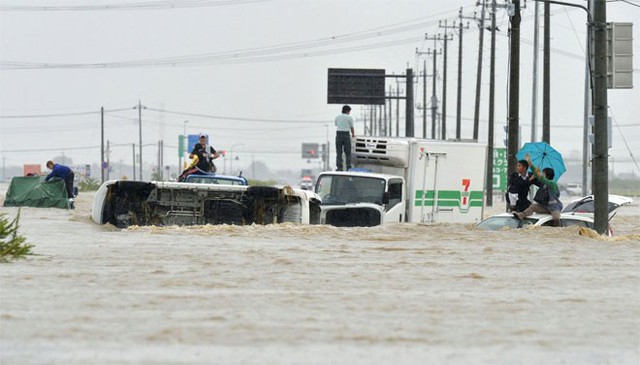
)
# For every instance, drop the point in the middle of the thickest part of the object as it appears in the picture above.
(464, 194)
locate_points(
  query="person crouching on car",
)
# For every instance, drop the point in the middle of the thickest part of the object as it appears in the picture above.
(518, 188)
(547, 199)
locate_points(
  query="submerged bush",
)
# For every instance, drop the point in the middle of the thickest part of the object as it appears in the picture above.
(12, 245)
(89, 184)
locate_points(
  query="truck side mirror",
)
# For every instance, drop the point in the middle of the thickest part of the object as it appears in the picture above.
(385, 198)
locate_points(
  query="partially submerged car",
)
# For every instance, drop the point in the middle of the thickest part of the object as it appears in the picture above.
(577, 213)
(124, 203)
(306, 183)
(572, 189)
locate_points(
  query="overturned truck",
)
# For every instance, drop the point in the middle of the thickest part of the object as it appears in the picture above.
(126, 203)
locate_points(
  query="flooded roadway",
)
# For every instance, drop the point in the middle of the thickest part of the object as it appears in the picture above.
(291, 294)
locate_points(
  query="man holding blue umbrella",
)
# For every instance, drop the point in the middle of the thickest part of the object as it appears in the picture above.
(543, 156)
(547, 199)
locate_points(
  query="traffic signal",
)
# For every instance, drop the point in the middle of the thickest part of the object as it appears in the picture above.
(310, 150)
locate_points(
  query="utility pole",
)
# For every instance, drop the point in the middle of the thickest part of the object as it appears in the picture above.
(424, 88)
(376, 122)
(398, 108)
(102, 144)
(514, 89)
(409, 131)
(534, 86)
(140, 136)
(424, 99)
(492, 102)
(600, 105)
(108, 161)
(546, 76)
(383, 120)
(446, 39)
(139, 107)
(372, 122)
(476, 114)
(587, 112)
(390, 111)
(160, 169)
(461, 28)
(434, 96)
(133, 145)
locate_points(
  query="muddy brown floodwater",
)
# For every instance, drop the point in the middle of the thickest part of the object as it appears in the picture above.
(296, 294)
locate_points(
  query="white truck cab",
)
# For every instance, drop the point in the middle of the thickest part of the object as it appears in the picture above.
(360, 199)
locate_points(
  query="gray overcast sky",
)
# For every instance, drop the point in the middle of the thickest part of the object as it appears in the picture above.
(185, 66)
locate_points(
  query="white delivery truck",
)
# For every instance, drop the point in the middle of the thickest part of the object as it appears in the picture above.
(405, 180)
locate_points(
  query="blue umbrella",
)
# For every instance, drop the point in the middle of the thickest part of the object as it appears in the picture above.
(542, 156)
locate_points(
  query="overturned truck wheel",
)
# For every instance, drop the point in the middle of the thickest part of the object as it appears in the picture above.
(125, 205)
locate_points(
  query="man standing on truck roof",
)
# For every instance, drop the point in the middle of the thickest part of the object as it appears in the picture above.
(344, 126)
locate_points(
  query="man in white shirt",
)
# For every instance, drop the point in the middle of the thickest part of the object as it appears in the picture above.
(344, 127)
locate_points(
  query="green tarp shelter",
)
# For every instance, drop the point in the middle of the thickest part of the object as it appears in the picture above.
(33, 191)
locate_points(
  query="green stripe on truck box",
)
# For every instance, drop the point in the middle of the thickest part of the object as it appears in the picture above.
(449, 198)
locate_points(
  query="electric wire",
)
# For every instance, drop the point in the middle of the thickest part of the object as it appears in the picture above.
(633, 158)
(244, 119)
(628, 3)
(57, 115)
(275, 51)
(149, 5)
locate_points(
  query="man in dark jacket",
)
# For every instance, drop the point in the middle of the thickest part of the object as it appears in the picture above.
(547, 199)
(64, 173)
(206, 154)
(518, 187)
(202, 156)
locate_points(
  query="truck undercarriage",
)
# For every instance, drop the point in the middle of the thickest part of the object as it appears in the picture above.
(146, 203)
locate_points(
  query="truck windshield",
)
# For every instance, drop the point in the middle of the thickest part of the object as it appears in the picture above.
(338, 189)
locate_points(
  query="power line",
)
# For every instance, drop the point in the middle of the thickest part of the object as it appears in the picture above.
(54, 149)
(235, 118)
(627, 2)
(261, 54)
(203, 60)
(149, 5)
(57, 115)
(625, 141)
(268, 53)
(210, 116)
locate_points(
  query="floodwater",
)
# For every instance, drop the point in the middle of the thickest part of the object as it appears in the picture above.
(295, 294)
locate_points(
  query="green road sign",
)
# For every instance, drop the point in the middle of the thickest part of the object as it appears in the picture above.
(500, 169)
(181, 146)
